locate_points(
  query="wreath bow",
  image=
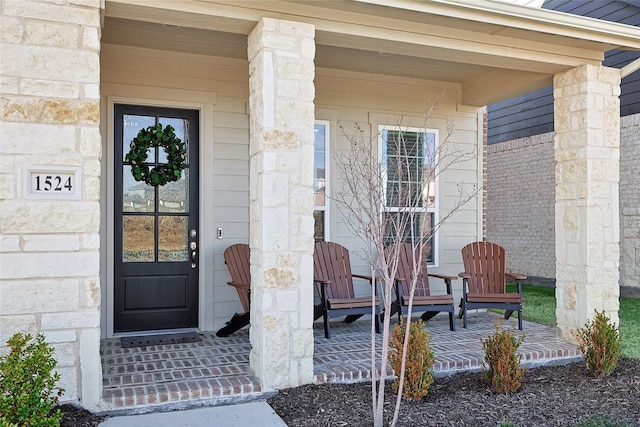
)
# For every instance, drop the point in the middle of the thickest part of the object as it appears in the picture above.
(155, 136)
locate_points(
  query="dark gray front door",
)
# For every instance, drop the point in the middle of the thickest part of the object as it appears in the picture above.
(156, 229)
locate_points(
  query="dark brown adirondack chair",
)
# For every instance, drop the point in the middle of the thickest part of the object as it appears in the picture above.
(485, 280)
(236, 257)
(422, 298)
(334, 282)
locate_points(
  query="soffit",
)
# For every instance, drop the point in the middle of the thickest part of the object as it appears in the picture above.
(444, 40)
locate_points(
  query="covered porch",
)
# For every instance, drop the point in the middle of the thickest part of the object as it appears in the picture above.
(216, 371)
(272, 69)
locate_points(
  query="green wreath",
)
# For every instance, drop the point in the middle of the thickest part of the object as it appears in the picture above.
(155, 136)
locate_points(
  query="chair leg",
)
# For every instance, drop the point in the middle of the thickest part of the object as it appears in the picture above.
(452, 324)
(507, 314)
(395, 308)
(464, 317)
(326, 326)
(463, 313)
(350, 318)
(377, 316)
(520, 319)
(317, 311)
(237, 322)
(428, 315)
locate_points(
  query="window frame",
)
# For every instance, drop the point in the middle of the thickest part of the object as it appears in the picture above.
(327, 176)
(436, 199)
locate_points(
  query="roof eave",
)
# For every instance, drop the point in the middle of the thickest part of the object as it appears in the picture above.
(611, 35)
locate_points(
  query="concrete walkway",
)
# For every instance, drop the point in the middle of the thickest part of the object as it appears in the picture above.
(240, 415)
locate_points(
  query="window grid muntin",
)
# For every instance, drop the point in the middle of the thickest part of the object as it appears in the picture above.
(424, 156)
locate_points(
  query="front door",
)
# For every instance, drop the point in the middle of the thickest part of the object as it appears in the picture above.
(156, 228)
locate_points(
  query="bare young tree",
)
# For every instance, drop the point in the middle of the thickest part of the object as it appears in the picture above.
(386, 198)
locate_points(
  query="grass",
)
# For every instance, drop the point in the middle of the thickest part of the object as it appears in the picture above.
(630, 327)
(599, 420)
(539, 303)
(539, 306)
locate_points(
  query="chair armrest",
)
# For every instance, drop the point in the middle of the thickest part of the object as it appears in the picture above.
(239, 285)
(441, 276)
(447, 281)
(323, 291)
(518, 278)
(464, 275)
(372, 280)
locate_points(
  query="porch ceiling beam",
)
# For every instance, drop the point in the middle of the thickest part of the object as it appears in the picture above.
(481, 90)
(630, 68)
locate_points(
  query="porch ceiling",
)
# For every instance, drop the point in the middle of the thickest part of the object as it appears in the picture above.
(493, 50)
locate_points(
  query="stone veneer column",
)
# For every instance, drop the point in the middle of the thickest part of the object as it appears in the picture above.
(49, 118)
(281, 69)
(587, 150)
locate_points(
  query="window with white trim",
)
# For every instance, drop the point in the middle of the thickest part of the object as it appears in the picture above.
(321, 180)
(408, 157)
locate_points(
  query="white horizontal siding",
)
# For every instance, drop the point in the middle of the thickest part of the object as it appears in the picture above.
(225, 181)
(343, 98)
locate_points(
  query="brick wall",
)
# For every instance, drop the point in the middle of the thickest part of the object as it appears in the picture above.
(520, 203)
(630, 201)
(521, 195)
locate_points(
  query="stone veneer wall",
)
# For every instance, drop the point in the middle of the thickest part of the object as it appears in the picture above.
(49, 112)
(524, 224)
(587, 154)
(281, 73)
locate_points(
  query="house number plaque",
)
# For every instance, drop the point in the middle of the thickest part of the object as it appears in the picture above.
(63, 183)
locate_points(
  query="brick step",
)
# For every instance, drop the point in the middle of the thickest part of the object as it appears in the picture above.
(192, 391)
(137, 378)
(131, 366)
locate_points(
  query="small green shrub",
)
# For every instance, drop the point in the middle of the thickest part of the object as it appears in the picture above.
(599, 342)
(418, 376)
(28, 396)
(599, 420)
(501, 366)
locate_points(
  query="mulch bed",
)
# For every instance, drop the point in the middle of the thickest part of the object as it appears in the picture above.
(550, 396)
(72, 416)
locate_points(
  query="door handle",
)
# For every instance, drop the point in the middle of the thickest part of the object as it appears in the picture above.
(194, 254)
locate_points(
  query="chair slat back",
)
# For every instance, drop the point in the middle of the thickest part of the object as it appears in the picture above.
(331, 262)
(237, 258)
(485, 262)
(407, 254)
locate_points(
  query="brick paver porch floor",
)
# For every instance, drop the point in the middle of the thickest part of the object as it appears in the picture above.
(216, 370)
